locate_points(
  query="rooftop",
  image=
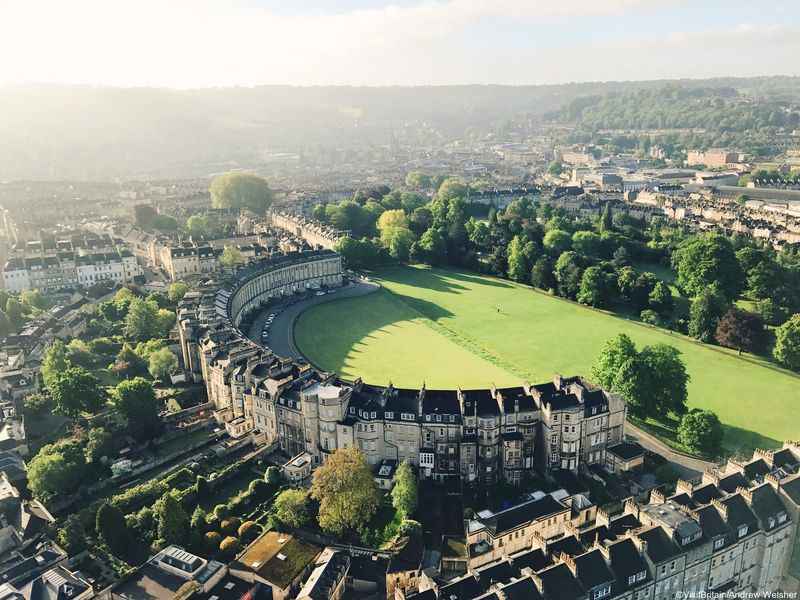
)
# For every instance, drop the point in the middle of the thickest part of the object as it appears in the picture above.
(278, 557)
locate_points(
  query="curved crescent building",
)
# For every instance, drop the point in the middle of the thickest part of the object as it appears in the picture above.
(477, 436)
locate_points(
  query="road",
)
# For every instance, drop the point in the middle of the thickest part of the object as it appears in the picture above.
(281, 337)
(689, 468)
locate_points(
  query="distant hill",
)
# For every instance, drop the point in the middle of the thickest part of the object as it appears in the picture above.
(81, 132)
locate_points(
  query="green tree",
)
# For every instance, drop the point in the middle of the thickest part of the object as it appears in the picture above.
(177, 291)
(99, 443)
(54, 362)
(136, 400)
(75, 390)
(587, 243)
(521, 254)
(597, 287)
(391, 219)
(128, 363)
(241, 190)
(661, 300)
(615, 352)
(57, 470)
(568, 272)
(173, 522)
(71, 536)
(162, 364)
(557, 241)
(398, 241)
(346, 491)
(667, 379)
(112, 529)
(705, 312)
(14, 312)
(431, 247)
(404, 492)
(291, 508)
(417, 180)
(787, 343)
(36, 405)
(273, 476)
(555, 168)
(606, 219)
(231, 256)
(33, 299)
(701, 432)
(542, 274)
(705, 261)
(142, 321)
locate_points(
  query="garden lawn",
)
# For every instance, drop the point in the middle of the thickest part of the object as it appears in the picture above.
(452, 328)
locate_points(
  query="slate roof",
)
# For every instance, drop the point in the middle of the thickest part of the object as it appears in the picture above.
(739, 513)
(524, 589)
(626, 561)
(792, 489)
(626, 450)
(480, 401)
(704, 494)
(526, 512)
(731, 482)
(558, 583)
(766, 504)
(592, 570)
(659, 546)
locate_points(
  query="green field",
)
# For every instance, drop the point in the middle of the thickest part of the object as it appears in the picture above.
(450, 328)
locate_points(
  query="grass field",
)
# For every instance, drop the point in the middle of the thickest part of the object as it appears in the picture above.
(451, 328)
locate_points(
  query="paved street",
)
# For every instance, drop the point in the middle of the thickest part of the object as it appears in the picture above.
(281, 339)
(688, 467)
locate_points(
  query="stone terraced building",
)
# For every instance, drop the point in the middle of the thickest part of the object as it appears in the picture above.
(475, 436)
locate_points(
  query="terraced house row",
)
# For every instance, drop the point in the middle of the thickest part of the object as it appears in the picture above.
(732, 532)
(479, 436)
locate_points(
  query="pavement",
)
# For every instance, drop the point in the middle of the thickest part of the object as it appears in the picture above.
(688, 466)
(281, 336)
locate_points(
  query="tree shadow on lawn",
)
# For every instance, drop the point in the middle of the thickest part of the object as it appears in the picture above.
(438, 279)
(351, 340)
(740, 442)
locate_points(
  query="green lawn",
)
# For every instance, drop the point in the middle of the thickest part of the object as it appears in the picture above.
(451, 328)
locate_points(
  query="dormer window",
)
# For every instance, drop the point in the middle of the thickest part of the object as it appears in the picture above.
(602, 592)
(719, 543)
(782, 517)
(742, 530)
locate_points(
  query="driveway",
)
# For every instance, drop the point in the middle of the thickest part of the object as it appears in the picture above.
(687, 466)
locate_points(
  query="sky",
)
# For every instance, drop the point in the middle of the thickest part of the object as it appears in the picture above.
(218, 43)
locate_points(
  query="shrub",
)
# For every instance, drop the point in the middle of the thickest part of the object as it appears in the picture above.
(213, 540)
(229, 546)
(273, 476)
(230, 525)
(248, 531)
(221, 511)
(144, 494)
(410, 527)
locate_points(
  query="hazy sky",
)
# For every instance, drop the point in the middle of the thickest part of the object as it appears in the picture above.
(200, 43)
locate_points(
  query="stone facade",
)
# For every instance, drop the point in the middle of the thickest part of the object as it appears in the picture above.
(475, 436)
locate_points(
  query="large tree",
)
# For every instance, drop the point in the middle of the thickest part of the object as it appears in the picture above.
(787, 343)
(54, 363)
(653, 381)
(241, 190)
(231, 256)
(75, 390)
(145, 320)
(568, 272)
(542, 274)
(162, 363)
(173, 522)
(521, 254)
(557, 241)
(177, 291)
(136, 400)
(597, 287)
(112, 529)
(705, 261)
(291, 507)
(346, 491)
(741, 330)
(57, 470)
(404, 492)
(705, 312)
(701, 431)
(661, 300)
